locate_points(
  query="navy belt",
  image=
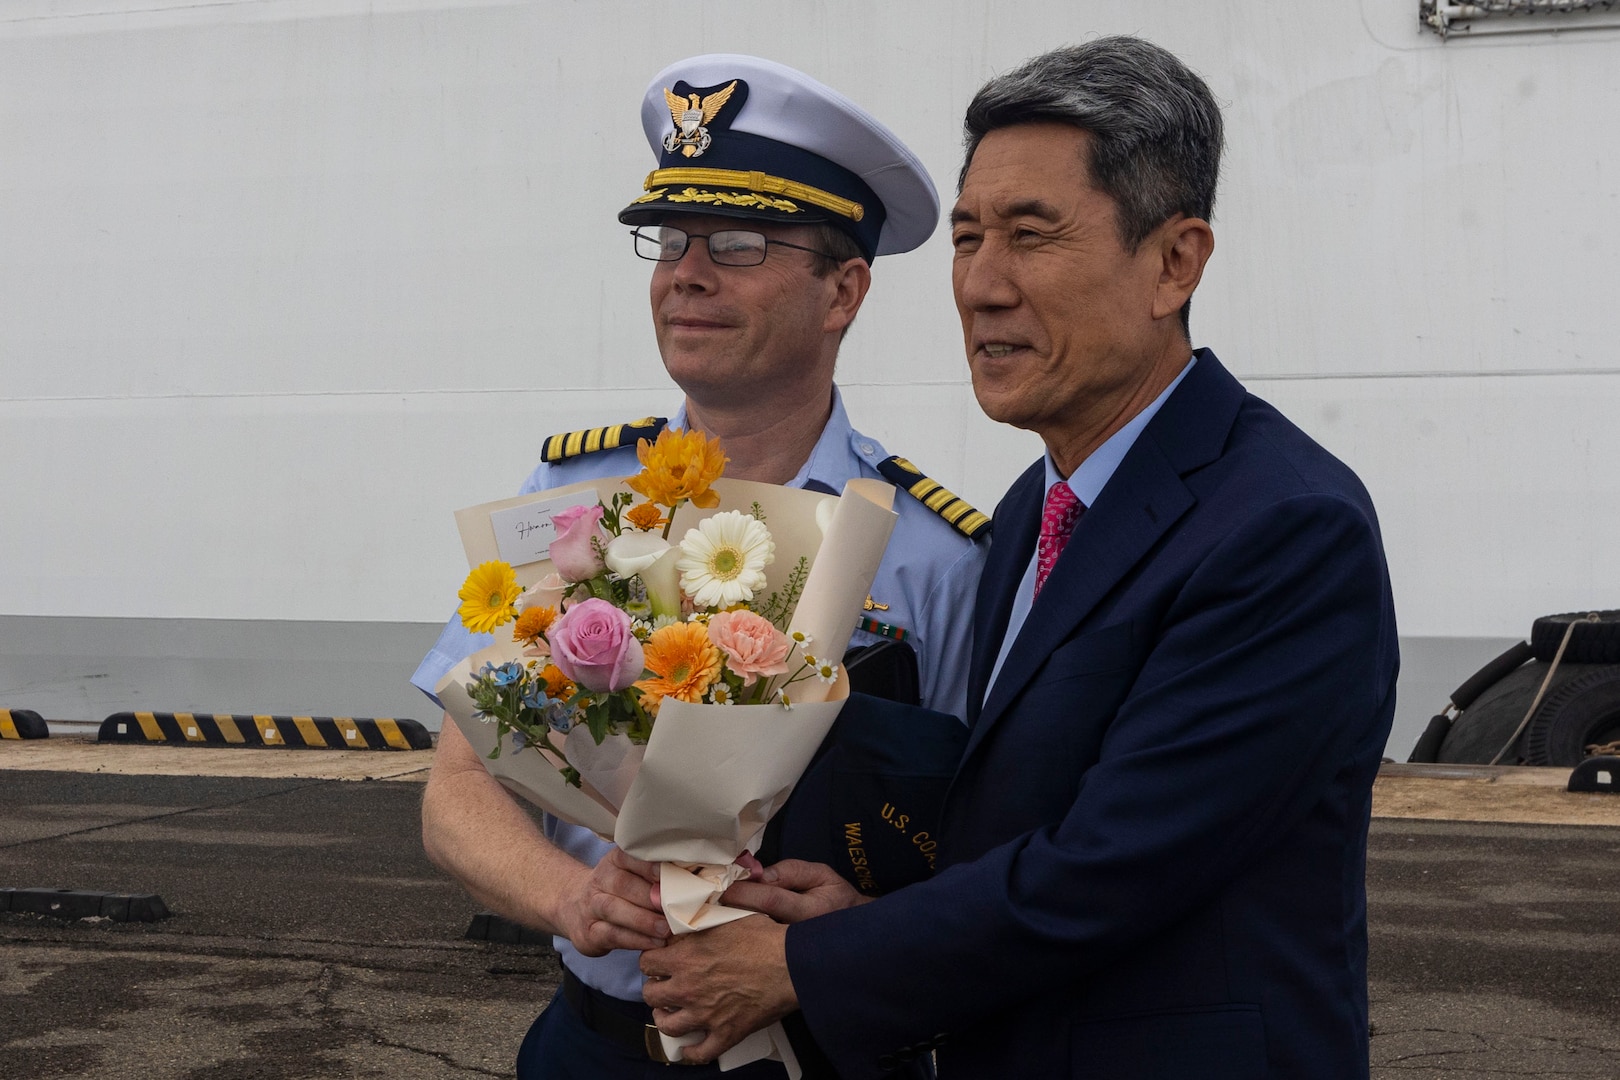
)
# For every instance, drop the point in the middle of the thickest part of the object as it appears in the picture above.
(628, 1023)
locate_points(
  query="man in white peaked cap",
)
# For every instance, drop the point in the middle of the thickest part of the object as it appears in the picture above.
(771, 197)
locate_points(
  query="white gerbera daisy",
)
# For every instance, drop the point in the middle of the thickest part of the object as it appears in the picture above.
(723, 560)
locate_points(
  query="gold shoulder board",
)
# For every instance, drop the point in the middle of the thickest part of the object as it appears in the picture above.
(908, 478)
(571, 444)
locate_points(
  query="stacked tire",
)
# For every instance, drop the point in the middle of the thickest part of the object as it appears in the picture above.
(1580, 709)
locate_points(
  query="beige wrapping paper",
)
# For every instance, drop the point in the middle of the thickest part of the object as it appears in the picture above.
(691, 896)
(526, 773)
(841, 577)
(713, 776)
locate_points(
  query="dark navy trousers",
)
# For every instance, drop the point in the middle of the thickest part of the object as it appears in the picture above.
(560, 1047)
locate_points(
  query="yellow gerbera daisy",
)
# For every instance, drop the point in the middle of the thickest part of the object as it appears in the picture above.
(532, 623)
(723, 560)
(680, 465)
(684, 663)
(644, 516)
(488, 596)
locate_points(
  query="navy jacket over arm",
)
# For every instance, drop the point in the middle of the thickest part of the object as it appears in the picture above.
(1155, 843)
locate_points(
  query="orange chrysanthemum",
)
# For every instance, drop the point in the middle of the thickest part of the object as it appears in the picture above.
(558, 685)
(684, 663)
(532, 623)
(644, 516)
(680, 465)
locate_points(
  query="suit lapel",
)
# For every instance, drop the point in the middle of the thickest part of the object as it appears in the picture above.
(1138, 505)
(1142, 501)
(1018, 520)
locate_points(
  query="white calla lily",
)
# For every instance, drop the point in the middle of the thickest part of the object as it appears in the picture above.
(630, 553)
(652, 558)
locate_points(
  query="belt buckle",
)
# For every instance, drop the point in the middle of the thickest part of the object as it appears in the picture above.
(655, 1047)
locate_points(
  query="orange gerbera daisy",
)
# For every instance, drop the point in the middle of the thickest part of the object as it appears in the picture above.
(684, 663)
(558, 685)
(644, 516)
(680, 465)
(533, 622)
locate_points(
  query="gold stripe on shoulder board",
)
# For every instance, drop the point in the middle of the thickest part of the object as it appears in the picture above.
(910, 479)
(571, 444)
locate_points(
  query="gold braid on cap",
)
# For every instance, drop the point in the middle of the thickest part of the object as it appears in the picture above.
(758, 181)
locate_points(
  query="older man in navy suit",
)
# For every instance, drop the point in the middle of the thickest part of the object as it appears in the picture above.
(1183, 673)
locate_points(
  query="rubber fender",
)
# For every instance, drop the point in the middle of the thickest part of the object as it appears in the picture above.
(1591, 643)
(1577, 714)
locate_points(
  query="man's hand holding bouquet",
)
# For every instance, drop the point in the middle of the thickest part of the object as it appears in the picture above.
(672, 663)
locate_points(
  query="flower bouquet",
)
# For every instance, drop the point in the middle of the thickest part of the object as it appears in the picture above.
(663, 682)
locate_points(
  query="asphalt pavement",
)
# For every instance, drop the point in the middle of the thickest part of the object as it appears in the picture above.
(310, 938)
(308, 935)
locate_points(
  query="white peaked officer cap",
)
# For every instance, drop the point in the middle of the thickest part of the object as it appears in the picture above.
(738, 136)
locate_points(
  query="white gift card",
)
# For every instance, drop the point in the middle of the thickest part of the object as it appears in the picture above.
(523, 533)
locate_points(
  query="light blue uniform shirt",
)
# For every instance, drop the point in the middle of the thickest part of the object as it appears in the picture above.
(1087, 482)
(928, 577)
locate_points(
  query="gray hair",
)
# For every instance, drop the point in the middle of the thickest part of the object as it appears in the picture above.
(836, 245)
(1155, 146)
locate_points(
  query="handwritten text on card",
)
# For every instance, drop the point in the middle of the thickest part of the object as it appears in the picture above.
(523, 533)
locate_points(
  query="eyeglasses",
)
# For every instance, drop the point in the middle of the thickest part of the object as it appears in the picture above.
(729, 247)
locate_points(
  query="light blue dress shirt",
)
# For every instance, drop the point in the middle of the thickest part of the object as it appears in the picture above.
(928, 577)
(1087, 482)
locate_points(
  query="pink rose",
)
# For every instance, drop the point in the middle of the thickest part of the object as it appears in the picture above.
(591, 643)
(547, 592)
(576, 551)
(753, 647)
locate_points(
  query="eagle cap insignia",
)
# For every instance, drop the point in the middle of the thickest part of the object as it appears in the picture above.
(692, 112)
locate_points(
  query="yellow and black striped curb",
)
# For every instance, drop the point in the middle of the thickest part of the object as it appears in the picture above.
(296, 732)
(22, 724)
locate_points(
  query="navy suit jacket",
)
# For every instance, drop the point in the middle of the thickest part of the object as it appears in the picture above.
(1153, 852)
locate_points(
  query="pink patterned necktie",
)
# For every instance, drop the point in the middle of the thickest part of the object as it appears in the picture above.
(1063, 509)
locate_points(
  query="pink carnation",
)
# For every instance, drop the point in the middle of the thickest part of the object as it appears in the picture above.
(753, 647)
(592, 644)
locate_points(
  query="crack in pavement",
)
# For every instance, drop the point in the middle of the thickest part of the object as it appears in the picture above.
(440, 1056)
(334, 1018)
(159, 817)
(1465, 1059)
(1476, 1070)
(391, 957)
